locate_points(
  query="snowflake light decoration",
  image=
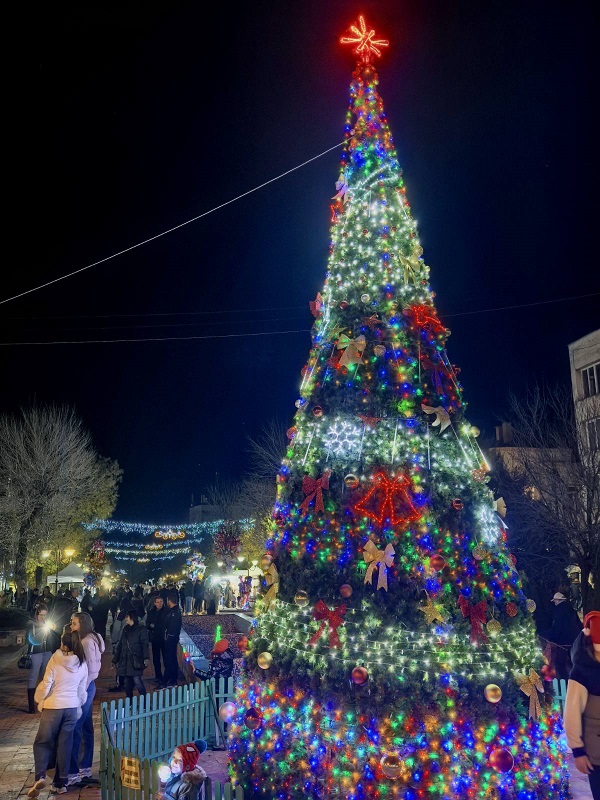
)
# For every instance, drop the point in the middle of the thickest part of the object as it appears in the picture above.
(343, 438)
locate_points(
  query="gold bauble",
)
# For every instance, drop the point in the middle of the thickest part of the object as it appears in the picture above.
(474, 431)
(479, 552)
(493, 627)
(530, 605)
(265, 561)
(492, 693)
(351, 481)
(264, 660)
(391, 765)
(301, 598)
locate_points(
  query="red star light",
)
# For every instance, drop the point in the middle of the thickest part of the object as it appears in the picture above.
(366, 44)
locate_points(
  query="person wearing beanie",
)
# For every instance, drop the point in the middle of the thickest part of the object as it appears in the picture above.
(183, 777)
(582, 705)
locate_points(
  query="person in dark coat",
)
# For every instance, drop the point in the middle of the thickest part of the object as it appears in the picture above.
(172, 631)
(198, 595)
(566, 627)
(113, 603)
(131, 655)
(87, 602)
(60, 613)
(42, 642)
(155, 622)
(100, 608)
(188, 593)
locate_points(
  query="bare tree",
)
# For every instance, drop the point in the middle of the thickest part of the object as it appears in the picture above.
(555, 491)
(267, 450)
(51, 480)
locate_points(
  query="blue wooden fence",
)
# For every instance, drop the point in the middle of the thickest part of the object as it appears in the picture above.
(559, 690)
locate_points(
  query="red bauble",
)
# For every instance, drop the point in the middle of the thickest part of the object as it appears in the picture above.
(359, 676)
(344, 304)
(548, 673)
(511, 609)
(346, 590)
(317, 411)
(252, 719)
(243, 643)
(437, 563)
(501, 760)
(457, 504)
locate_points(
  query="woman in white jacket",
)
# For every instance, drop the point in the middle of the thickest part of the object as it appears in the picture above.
(59, 696)
(80, 772)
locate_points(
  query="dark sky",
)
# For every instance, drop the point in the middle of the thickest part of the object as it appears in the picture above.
(130, 118)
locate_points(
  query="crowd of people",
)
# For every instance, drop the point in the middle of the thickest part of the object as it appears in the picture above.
(66, 637)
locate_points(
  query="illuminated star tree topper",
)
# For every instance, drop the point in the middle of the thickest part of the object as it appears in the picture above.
(364, 39)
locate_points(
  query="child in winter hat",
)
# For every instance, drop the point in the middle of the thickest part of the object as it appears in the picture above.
(183, 777)
(582, 705)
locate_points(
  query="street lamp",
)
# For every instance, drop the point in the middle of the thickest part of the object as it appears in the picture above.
(68, 552)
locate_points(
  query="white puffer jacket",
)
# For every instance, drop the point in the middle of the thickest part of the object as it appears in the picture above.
(93, 647)
(64, 684)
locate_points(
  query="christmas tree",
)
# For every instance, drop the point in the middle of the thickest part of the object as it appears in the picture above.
(395, 655)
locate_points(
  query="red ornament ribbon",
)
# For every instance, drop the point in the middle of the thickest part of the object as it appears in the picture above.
(313, 489)
(477, 615)
(331, 617)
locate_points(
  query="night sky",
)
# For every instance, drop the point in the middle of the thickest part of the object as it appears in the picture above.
(132, 118)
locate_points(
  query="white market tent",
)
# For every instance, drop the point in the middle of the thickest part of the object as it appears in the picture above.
(70, 574)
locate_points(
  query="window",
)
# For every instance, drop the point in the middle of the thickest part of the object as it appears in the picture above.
(593, 427)
(591, 380)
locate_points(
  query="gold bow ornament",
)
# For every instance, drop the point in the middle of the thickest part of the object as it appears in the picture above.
(272, 580)
(530, 686)
(353, 349)
(380, 559)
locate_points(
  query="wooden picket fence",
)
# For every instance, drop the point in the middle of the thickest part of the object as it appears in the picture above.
(559, 690)
(149, 728)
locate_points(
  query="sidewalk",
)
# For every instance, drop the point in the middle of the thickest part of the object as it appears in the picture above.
(18, 730)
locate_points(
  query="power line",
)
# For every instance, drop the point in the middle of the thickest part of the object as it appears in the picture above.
(169, 313)
(170, 230)
(522, 305)
(159, 338)
(272, 333)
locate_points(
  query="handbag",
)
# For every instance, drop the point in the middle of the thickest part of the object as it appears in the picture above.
(25, 661)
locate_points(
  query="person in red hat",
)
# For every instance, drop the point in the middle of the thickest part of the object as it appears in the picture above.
(582, 706)
(183, 776)
(221, 662)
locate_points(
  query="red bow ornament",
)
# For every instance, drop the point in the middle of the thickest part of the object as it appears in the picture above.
(477, 614)
(316, 305)
(333, 618)
(313, 489)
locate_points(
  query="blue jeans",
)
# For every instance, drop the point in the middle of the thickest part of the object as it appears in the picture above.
(39, 661)
(189, 605)
(595, 783)
(84, 729)
(54, 736)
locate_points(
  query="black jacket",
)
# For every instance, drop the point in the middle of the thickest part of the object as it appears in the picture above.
(566, 625)
(131, 650)
(172, 624)
(41, 638)
(155, 622)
